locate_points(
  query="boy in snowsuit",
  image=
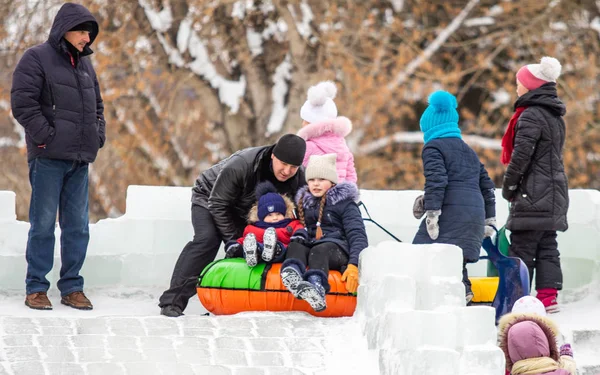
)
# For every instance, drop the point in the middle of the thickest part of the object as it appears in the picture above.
(272, 225)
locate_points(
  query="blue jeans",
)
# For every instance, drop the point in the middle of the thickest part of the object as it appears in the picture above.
(57, 185)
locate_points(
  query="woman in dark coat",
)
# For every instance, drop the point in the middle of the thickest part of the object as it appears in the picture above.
(459, 201)
(535, 182)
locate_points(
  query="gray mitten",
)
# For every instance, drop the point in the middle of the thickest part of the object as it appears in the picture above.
(490, 224)
(433, 227)
(419, 207)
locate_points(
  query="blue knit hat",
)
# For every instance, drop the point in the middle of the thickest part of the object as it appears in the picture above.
(440, 119)
(269, 200)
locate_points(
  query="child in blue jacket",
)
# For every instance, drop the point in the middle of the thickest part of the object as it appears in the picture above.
(459, 201)
(336, 234)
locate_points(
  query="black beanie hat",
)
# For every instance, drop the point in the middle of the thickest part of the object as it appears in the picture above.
(290, 149)
(84, 26)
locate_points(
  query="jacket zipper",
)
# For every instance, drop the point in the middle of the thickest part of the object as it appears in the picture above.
(53, 108)
(82, 108)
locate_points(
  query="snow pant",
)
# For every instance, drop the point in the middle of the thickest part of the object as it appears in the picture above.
(323, 256)
(539, 251)
(465, 279)
(194, 257)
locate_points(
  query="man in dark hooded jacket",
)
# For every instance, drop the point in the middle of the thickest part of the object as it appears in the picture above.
(56, 97)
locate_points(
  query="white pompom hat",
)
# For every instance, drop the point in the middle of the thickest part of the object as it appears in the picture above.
(529, 305)
(533, 76)
(320, 106)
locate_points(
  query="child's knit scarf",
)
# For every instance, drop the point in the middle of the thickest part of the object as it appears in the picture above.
(508, 140)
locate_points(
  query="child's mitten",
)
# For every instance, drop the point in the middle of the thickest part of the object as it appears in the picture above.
(490, 224)
(566, 350)
(418, 207)
(350, 276)
(433, 227)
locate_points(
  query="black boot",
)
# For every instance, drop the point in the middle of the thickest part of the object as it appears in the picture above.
(171, 311)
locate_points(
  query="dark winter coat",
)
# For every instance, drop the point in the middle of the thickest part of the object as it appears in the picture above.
(227, 189)
(457, 183)
(342, 221)
(59, 104)
(535, 181)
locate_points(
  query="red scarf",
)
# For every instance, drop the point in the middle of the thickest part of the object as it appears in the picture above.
(508, 140)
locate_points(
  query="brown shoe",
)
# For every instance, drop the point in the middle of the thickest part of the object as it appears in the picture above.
(38, 301)
(77, 300)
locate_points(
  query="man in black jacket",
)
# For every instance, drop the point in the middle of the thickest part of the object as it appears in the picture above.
(55, 96)
(221, 199)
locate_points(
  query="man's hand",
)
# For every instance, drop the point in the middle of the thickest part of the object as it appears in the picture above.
(233, 250)
(433, 227)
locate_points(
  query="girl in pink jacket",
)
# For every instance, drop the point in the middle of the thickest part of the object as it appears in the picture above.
(324, 131)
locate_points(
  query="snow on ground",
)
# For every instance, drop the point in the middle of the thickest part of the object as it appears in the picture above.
(125, 335)
(410, 316)
(579, 323)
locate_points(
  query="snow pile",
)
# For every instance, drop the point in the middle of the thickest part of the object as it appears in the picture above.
(411, 305)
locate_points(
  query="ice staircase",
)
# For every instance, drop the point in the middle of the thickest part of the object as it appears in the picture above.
(410, 319)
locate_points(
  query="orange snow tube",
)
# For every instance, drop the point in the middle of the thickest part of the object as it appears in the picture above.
(229, 286)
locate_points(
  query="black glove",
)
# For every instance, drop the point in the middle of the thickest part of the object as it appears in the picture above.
(233, 250)
(299, 239)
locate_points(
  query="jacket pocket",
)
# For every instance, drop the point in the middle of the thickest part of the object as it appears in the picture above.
(51, 140)
(91, 142)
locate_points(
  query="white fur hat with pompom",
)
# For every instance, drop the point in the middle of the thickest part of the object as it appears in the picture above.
(320, 105)
(533, 76)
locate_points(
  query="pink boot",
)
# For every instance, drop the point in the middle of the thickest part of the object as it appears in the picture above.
(548, 297)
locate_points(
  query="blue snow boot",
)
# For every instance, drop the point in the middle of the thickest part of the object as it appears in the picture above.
(292, 272)
(313, 292)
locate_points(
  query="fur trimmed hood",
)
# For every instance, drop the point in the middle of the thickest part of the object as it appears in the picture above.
(289, 213)
(548, 327)
(341, 126)
(338, 193)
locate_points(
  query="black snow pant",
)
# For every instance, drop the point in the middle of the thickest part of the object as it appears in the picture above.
(465, 279)
(539, 251)
(194, 257)
(322, 256)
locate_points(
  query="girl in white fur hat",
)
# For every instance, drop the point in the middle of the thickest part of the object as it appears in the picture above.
(535, 182)
(325, 132)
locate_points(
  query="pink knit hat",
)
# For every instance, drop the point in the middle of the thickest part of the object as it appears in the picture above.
(533, 76)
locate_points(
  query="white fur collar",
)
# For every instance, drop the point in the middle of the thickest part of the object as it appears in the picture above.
(340, 126)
